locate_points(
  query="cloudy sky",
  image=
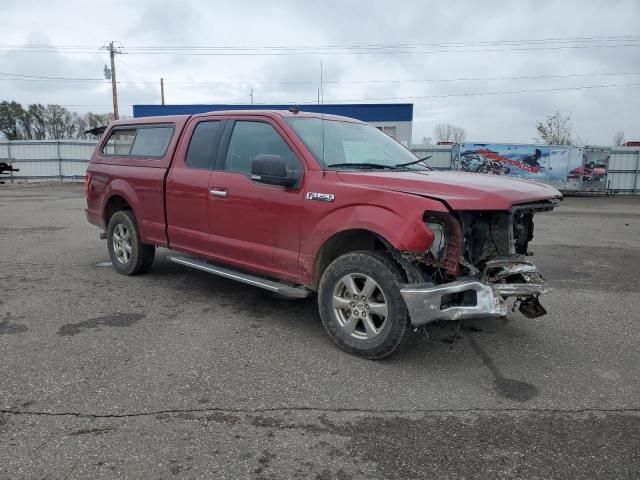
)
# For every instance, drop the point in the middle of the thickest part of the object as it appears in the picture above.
(456, 61)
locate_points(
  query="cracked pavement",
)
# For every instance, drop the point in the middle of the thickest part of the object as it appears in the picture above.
(179, 374)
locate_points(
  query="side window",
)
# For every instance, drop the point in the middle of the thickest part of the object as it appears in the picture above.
(152, 142)
(250, 139)
(120, 142)
(203, 145)
(145, 141)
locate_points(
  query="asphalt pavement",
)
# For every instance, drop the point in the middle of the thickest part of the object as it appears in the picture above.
(180, 374)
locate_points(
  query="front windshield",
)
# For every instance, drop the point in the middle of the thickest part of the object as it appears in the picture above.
(351, 145)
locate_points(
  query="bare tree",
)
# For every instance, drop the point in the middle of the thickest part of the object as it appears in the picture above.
(426, 140)
(445, 132)
(95, 120)
(40, 122)
(557, 129)
(618, 138)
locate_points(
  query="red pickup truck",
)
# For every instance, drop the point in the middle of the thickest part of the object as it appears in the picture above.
(301, 203)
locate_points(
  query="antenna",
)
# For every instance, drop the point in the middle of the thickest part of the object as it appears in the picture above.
(321, 95)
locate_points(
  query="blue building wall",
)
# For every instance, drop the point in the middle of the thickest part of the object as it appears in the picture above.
(367, 112)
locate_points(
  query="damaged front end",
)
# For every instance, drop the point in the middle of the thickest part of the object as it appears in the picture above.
(477, 261)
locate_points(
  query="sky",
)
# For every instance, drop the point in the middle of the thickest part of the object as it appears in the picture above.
(458, 62)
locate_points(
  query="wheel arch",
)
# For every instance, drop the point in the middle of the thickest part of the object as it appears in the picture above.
(347, 241)
(115, 203)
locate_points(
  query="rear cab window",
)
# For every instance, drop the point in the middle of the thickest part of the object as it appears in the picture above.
(141, 141)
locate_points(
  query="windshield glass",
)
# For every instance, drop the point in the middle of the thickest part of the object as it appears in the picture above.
(351, 145)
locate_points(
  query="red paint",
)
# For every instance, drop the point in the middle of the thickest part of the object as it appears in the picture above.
(276, 231)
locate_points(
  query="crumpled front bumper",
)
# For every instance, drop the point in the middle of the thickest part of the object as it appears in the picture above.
(425, 301)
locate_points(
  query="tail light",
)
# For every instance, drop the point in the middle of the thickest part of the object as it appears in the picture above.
(87, 184)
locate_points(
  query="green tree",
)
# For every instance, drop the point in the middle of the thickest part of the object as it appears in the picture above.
(11, 114)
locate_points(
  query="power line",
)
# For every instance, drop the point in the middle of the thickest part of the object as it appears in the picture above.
(137, 70)
(372, 49)
(591, 39)
(474, 94)
(469, 94)
(474, 79)
(25, 77)
(368, 52)
(628, 38)
(46, 77)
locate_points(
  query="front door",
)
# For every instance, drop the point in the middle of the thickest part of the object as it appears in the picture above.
(253, 225)
(188, 187)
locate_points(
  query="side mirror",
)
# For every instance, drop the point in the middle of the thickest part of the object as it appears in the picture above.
(272, 170)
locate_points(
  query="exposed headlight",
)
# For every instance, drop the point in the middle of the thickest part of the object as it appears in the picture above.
(439, 241)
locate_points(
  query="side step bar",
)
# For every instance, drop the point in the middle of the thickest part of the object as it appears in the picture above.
(272, 286)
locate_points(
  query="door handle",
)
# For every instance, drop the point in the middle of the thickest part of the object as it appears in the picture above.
(218, 192)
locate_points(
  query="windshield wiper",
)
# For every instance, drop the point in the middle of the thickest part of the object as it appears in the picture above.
(363, 165)
(415, 162)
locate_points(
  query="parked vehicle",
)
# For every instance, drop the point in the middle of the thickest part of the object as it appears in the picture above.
(585, 172)
(301, 203)
(6, 169)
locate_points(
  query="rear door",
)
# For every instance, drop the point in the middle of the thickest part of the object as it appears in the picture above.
(187, 186)
(131, 162)
(251, 224)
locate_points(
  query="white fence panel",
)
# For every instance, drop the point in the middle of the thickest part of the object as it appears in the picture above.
(46, 160)
(34, 150)
(73, 169)
(624, 170)
(440, 155)
(77, 150)
(67, 160)
(45, 169)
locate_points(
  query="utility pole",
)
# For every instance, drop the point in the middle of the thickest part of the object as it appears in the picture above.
(162, 90)
(251, 95)
(114, 89)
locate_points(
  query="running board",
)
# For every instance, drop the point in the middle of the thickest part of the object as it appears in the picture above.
(272, 286)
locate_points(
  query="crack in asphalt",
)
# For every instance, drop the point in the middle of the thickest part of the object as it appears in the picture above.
(321, 410)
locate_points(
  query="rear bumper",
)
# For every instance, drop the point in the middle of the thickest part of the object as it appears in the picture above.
(425, 301)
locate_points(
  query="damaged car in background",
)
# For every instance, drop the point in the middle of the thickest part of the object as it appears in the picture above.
(307, 204)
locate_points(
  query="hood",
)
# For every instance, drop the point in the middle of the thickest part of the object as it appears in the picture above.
(459, 190)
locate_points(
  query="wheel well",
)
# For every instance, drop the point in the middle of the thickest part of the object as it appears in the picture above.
(115, 204)
(345, 242)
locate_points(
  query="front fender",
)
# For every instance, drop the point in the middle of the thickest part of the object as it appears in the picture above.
(394, 216)
(403, 232)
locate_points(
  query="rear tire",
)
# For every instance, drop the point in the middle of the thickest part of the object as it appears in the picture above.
(361, 306)
(128, 254)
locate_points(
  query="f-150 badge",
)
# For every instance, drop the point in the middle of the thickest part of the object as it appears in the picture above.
(321, 197)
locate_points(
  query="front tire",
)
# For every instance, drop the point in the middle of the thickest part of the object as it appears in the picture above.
(361, 306)
(128, 254)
